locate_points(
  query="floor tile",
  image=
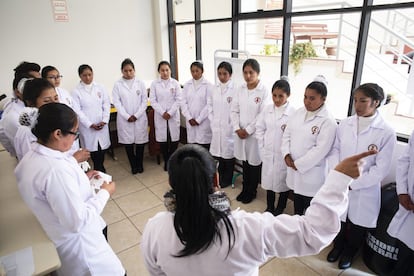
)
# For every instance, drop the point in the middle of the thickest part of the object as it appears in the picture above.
(137, 202)
(118, 172)
(160, 189)
(112, 213)
(123, 235)
(139, 220)
(133, 261)
(152, 176)
(127, 185)
(282, 267)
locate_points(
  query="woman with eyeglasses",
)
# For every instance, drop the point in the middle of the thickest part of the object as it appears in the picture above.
(52, 75)
(59, 194)
(91, 103)
(36, 93)
(200, 235)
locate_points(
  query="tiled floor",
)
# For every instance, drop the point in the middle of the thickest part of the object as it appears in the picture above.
(139, 197)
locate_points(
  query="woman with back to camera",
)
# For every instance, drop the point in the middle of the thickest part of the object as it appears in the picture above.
(307, 140)
(91, 103)
(222, 142)
(165, 97)
(194, 108)
(363, 131)
(130, 99)
(269, 131)
(249, 100)
(199, 235)
(59, 194)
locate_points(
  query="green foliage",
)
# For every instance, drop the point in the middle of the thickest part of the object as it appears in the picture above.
(269, 50)
(299, 52)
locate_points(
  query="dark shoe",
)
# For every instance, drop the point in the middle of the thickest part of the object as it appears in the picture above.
(277, 212)
(224, 185)
(241, 196)
(134, 170)
(345, 262)
(140, 170)
(270, 210)
(334, 254)
(248, 198)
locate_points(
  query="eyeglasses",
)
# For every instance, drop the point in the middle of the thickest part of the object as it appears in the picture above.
(55, 77)
(77, 133)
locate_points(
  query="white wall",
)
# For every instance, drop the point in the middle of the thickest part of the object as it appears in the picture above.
(99, 33)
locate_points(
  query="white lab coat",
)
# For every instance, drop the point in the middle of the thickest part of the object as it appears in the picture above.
(9, 124)
(258, 237)
(92, 107)
(246, 107)
(64, 96)
(365, 196)
(270, 126)
(165, 96)
(222, 141)
(308, 142)
(194, 106)
(128, 102)
(59, 194)
(402, 225)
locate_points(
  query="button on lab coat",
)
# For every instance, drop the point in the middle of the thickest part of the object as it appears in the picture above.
(222, 142)
(246, 107)
(128, 102)
(269, 131)
(365, 196)
(165, 96)
(402, 225)
(59, 194)
(194, 106)
(92, 107)
(308, 141)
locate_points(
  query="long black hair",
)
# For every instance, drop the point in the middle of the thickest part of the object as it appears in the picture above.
(191, 172)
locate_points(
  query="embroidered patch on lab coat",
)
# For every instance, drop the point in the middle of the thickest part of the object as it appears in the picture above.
(257, 100)
(99, 95)
(315, 129)
(172, 90)
(373, 147)
(229, 99)
(283, 127)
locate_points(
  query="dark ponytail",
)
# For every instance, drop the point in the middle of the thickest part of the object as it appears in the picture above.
(191, 172)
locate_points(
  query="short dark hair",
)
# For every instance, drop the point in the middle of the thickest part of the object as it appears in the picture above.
(53, 116)
(198, 64)
(126, 62)
(252, 63)
(319, 87)
(373, 91)
(163, 62)
(226, 66)
(282, 85)
(47, 69)
(25, 67)
(33, 89)
(84, 67)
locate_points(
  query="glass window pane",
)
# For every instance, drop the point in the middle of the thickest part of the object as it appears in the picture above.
(209, 9)
(186, 52)
(390, 49)
(183, 10)
(255, 5)
(329, 44)
(380, 2)
(210, 44)
(306, 5)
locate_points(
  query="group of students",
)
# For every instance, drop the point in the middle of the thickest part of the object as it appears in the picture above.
(296, 147)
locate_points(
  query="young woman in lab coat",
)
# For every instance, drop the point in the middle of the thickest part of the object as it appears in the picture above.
(365, 130)
(59, 194)
(165, 97)
(200, 235)
(52, 74)
(306, 142)
(222, 141)
(269, 131)
(130, 99)
(91, 103)
(402, 225)
(194, 106)
(249, 100)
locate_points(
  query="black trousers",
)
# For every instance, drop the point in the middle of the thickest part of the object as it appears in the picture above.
(271, 197)
(350, 238)
(136, 157)
(98, 158)
(405, 262)
(225, 170)
(167, 149)
(251, 178)
(300, 203)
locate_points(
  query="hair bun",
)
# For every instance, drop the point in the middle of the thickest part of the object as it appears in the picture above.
(322, 79)
(285, 78)
(28, 117)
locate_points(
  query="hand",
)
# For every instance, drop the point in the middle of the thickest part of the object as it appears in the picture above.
(406, 202)
(166, 116)
(110, 187)
(93, 174)
(132, 119)
(242, 133)
(82, 155)
(289, 162)
(352, 166)
(193, 122)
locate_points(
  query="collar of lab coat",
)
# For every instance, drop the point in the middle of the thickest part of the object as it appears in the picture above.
(43, 150)
(228, 85)
(378, 121)
(323, 112)
(202, 83)
(260, 86)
